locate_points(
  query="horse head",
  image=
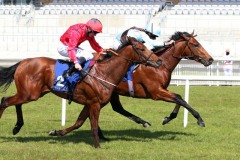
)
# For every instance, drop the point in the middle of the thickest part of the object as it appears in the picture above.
(145, 55)
(191, 48)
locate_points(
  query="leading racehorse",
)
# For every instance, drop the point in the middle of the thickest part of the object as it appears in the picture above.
(34, 77)
(152, 83)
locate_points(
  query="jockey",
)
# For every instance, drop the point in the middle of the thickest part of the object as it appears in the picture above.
(74, 36)
(142, 35)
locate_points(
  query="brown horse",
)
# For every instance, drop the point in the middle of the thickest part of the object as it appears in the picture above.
(34, 77)
(152, 83)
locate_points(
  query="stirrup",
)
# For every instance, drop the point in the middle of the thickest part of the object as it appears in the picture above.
(69, 71)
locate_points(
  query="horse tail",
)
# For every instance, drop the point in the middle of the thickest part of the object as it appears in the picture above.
(7, 76)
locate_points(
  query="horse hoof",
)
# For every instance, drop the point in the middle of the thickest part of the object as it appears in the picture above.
(104, 138)
(202, 124)
(54, 133)
(15, 130)
(165, 121)
(146, 124)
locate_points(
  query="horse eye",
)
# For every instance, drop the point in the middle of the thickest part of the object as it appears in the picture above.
(142, 49)
(196, 45)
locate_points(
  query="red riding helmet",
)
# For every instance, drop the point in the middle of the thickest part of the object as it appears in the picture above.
(95, 25)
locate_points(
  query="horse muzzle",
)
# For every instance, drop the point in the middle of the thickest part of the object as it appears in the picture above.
(206, 62)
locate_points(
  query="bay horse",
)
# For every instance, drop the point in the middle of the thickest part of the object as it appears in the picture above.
(152, 83)
(34, 77)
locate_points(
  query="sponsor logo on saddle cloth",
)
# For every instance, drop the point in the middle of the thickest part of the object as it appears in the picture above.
(61, 84)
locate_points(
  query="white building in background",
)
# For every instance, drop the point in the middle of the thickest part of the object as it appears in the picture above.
(26, 31)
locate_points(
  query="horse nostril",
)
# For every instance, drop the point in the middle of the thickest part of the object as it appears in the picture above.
(211, 60)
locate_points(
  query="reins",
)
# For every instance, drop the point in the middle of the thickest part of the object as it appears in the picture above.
(187, 45)
(134, 48)
(115, 53)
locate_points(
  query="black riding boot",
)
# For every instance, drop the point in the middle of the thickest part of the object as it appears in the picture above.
(67, 73)
(70, 94)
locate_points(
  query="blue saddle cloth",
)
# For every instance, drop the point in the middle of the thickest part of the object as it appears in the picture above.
(61, 84)
(128, 76)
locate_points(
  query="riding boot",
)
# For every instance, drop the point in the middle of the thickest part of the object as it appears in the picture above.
(66, 74)
(82, 60)
(69, 71)
(70, 94)
(84, 73)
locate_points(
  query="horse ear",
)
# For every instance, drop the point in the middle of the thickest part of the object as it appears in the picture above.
(131, 39)
(192, 33)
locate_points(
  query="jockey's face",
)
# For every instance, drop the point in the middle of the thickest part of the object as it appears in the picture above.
(92, 33)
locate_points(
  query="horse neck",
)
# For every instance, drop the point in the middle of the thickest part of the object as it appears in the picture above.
(116, 67)
(168, 60)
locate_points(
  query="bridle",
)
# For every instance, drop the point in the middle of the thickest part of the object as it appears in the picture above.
(192, 56)
(143, 59)
(141, 55)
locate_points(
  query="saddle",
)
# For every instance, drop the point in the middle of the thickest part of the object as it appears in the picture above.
(68, 83)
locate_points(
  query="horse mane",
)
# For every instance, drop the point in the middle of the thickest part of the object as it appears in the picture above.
(176, 36)
(123, 45)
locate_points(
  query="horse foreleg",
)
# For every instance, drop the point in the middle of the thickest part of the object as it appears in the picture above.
(117, 107)
(94, 117)
(183, 103)
(79, 122)
(169, 96)
(20, 121)
(172, 116)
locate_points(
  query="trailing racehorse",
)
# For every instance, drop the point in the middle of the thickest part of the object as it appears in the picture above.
(152, 83)
(34, 77)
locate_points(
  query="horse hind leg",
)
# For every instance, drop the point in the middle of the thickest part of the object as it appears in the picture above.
(20, 121)
(2, 106)
(6, 102)
(17, 100)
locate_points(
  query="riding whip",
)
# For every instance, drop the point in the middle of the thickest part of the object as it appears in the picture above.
(99, 79)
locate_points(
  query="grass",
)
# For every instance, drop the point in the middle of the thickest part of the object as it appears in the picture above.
(220, 138)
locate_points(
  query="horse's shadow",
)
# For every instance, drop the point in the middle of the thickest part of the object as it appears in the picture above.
(85, 136)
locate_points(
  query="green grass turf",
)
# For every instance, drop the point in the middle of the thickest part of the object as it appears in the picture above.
(220, 139)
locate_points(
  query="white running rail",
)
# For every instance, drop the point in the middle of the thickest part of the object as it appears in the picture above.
(187, 80)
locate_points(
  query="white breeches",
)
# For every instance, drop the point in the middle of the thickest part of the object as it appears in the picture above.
(116, 44)
(63, 50)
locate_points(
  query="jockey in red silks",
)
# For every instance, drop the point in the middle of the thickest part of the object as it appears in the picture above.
(74, 36)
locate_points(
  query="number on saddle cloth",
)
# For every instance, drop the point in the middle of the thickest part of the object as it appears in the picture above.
(60, 83)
